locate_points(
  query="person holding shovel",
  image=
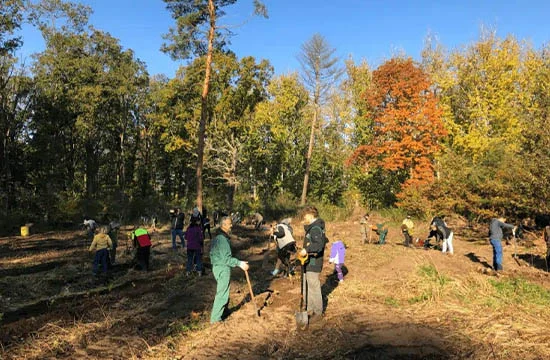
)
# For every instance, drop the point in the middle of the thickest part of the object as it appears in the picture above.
(314, 247)
(222, 262)
(495, 236)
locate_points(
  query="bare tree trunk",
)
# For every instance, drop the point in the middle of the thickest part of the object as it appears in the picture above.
(204, 96)
(233, 178)
(308, 157)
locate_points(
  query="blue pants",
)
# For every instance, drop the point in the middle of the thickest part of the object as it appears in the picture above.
(194, 258)
(101, 256)
(178, 232)
(497, 254)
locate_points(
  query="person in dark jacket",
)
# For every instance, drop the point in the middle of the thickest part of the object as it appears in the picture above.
(177, 221)
(195, 243)
(495, 237)
(314, 247)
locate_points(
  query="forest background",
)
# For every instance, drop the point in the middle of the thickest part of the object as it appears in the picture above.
(85, 131)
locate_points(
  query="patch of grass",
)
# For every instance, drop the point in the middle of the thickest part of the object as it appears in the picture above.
(330, 212)
(431, 273)
(520, 291)
(431, 284)
(391, 301)
(396, 215)
(425, 296)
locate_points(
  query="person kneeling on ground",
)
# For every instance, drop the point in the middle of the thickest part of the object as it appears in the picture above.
(142, 242)
(195, 243)
(382, 231)
(102, 244)
(286, 246)
(258, 220)
(222, 262)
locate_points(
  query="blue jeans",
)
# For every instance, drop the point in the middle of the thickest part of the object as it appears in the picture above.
(101, 257)
(194, 258)
(497, 254)
(178, 232)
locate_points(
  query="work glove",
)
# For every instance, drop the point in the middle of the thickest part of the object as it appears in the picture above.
(244, 265)
(303, 252)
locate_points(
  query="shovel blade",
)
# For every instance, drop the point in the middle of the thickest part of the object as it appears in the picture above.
(302, 320)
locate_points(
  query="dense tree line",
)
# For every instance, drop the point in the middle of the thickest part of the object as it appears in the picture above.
(87, 131)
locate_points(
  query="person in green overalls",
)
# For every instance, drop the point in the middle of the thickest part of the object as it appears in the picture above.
(382, 230)
(222, 262)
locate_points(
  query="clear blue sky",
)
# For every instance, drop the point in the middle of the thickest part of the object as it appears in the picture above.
(368, 29)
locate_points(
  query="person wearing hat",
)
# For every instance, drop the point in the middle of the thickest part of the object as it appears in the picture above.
(286, 246)
(407, 228)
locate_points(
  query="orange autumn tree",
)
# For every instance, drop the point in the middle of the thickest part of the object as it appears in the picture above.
(406, 123)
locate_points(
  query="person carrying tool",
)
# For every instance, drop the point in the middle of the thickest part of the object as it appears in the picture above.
(286, 246)
(142, 243)
(407, 228)
(101, 244)
(222, 262)
(495, 237)
(314, 247)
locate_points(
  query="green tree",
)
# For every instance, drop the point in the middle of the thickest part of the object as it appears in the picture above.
(320, 71)
(193, 20)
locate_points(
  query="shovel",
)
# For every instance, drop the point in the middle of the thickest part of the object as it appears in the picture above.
(251, 293)
(302, 319)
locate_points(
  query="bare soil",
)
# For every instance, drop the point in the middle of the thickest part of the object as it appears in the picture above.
(395, 302)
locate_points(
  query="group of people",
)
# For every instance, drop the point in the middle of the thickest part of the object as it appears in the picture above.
(105, 242)
(313, 249)
(439, 230)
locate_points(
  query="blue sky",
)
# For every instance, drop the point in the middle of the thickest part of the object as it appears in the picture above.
(369, 29)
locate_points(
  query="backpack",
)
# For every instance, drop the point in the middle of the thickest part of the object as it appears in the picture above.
(323, 231)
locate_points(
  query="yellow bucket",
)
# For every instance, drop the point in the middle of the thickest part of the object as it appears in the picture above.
(25, 231)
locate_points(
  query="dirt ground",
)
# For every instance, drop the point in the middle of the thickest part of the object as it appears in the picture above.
(395, 302)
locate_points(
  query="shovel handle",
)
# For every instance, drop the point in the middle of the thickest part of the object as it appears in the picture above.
(251, 292)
